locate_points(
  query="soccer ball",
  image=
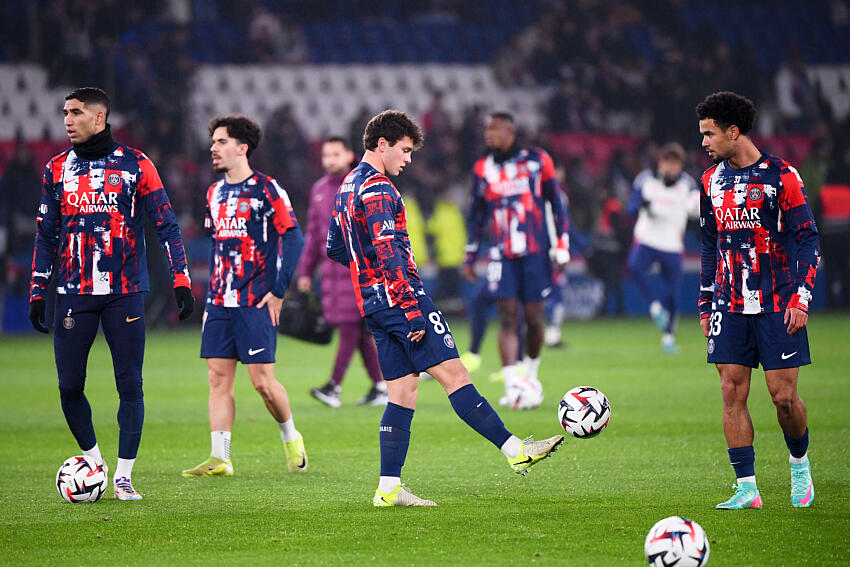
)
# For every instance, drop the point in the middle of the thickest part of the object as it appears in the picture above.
(81, 479)
(676, 541)
(584, 412)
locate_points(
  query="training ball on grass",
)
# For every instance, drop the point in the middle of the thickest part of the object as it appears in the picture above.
(584, 412)
(81, 479)
(676, 541)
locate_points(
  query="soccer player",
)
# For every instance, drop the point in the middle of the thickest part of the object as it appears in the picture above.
(368, 233)
(511, 187)
(662, 200)
(90, 214)
(338, 302)
(256, 243)
(760, 254)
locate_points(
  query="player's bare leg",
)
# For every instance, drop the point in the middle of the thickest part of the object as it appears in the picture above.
(790, 409)
(735, 385)
(508, 345)
(273, 393)
(221, 373)
(534, 313)
(791, 414)
(222, 409)
(738, 428)
(277, 402)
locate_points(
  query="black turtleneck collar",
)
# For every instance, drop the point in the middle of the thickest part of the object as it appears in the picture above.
(501, 156)
(98, 146)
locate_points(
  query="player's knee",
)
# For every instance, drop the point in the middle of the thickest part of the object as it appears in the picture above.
(784, 400)
(733, 393)
(130, 390)
(70, 391)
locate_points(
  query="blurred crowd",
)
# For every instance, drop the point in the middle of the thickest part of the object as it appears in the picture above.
(627, 68)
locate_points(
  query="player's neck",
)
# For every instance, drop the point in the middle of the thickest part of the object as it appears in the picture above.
(239, 173)
(747, 155)
(373, 159)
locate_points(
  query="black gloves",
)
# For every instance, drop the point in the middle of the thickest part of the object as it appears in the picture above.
(185, 302)
(37, 307)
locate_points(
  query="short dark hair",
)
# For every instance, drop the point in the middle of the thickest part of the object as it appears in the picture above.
(506, 116)
(726, 109)
(241, 128)
(392, 125)
(340, 139)
(672, 150)
(90, 95)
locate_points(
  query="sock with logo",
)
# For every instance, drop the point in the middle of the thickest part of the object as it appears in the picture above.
(220, 444)
(394, 438)
(798, 445)
(743, 461)
(287, 430)
(474, 409)
(131, 417)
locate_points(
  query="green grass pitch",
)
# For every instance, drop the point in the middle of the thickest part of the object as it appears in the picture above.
(591, 504)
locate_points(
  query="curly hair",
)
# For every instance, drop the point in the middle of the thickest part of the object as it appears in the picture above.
(392, 125)
(726, 109)
(241, 128)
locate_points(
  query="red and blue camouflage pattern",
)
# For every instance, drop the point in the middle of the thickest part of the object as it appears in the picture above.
(91, 215)
(368, 233)
(760, 247)
(245, 222)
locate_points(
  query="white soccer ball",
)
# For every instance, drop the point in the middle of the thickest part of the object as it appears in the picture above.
(81, 479)
(525, 394)
(676, 541)
(584, 412)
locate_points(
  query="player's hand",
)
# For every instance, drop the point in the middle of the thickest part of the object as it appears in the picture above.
(304, 284)
(37, 307)
(417, 329)
(185, 301)
(560, 257)
(468, 273)
(703, 323)
(796, 319)
(274, 304)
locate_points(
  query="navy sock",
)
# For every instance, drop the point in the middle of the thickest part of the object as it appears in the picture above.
(131, 416)
(394, 438)
(474, 409)
(798, 445)
(78, 415)
(743, 461)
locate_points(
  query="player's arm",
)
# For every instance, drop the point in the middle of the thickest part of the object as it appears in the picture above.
(798, 218)
(476, 218)
(560, 250)
(381, 203)
(708, 259)
(47, 230)
(637, 201)
(158, 208)
(335, 245)
(313, 241)
(291, 244)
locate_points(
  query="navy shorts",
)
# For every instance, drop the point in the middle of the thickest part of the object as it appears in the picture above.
(748, 340)
(528, 278)
(76, 320)
(398, 355)
(244, 333)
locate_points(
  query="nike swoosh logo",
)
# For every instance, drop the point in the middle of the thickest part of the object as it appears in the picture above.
(787, 356)
(527, 460)
(303, 462)
(252, 352)
(131, 319)
(808, 497)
